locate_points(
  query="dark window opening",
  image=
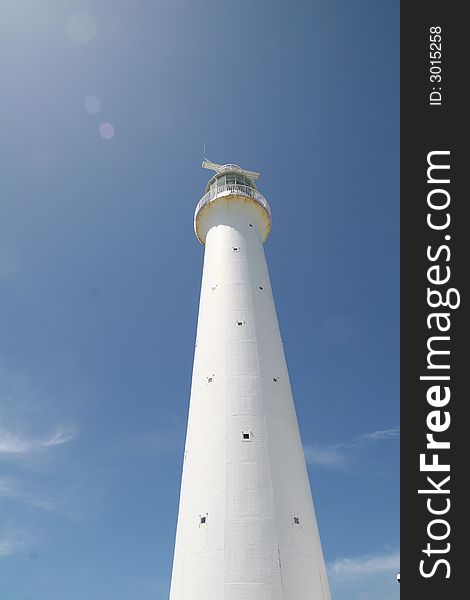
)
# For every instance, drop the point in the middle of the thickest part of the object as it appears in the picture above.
(261, 287)
(202, 520)
(246, 435)
(239, 323)
(276, 379)
(235, 249)
(251, 225)
(296, 521)
(210, 379)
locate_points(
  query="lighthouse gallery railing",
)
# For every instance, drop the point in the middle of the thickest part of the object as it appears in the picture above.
(234, 188)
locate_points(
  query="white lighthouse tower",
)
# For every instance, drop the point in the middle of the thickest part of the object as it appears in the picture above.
(246, 524)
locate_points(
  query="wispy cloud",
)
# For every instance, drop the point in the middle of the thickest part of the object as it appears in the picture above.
(32, 421)
(13, 443)
(326, 456)
(337, 455)
(359, 566)
(36, 426)
(12, 490)
(382, 434)
(366, 577)
(10, 546)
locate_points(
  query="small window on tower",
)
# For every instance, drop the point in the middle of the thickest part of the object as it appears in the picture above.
(251, 225)
(261, 288)
(296, 521)
(246, 436)
(210, 379)
(276, 379)
(235, 249)
(202, 519)
(239, 323)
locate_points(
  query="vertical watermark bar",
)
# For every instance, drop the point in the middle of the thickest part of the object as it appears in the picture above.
(434, 300)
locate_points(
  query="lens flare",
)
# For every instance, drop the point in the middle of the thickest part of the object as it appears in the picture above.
(106, 131)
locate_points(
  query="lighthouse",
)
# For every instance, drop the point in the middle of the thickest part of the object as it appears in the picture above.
(246, 528)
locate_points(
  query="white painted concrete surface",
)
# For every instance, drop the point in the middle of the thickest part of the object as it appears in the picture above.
(260, 539)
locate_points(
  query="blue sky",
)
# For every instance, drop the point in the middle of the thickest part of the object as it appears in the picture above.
(105, 107)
